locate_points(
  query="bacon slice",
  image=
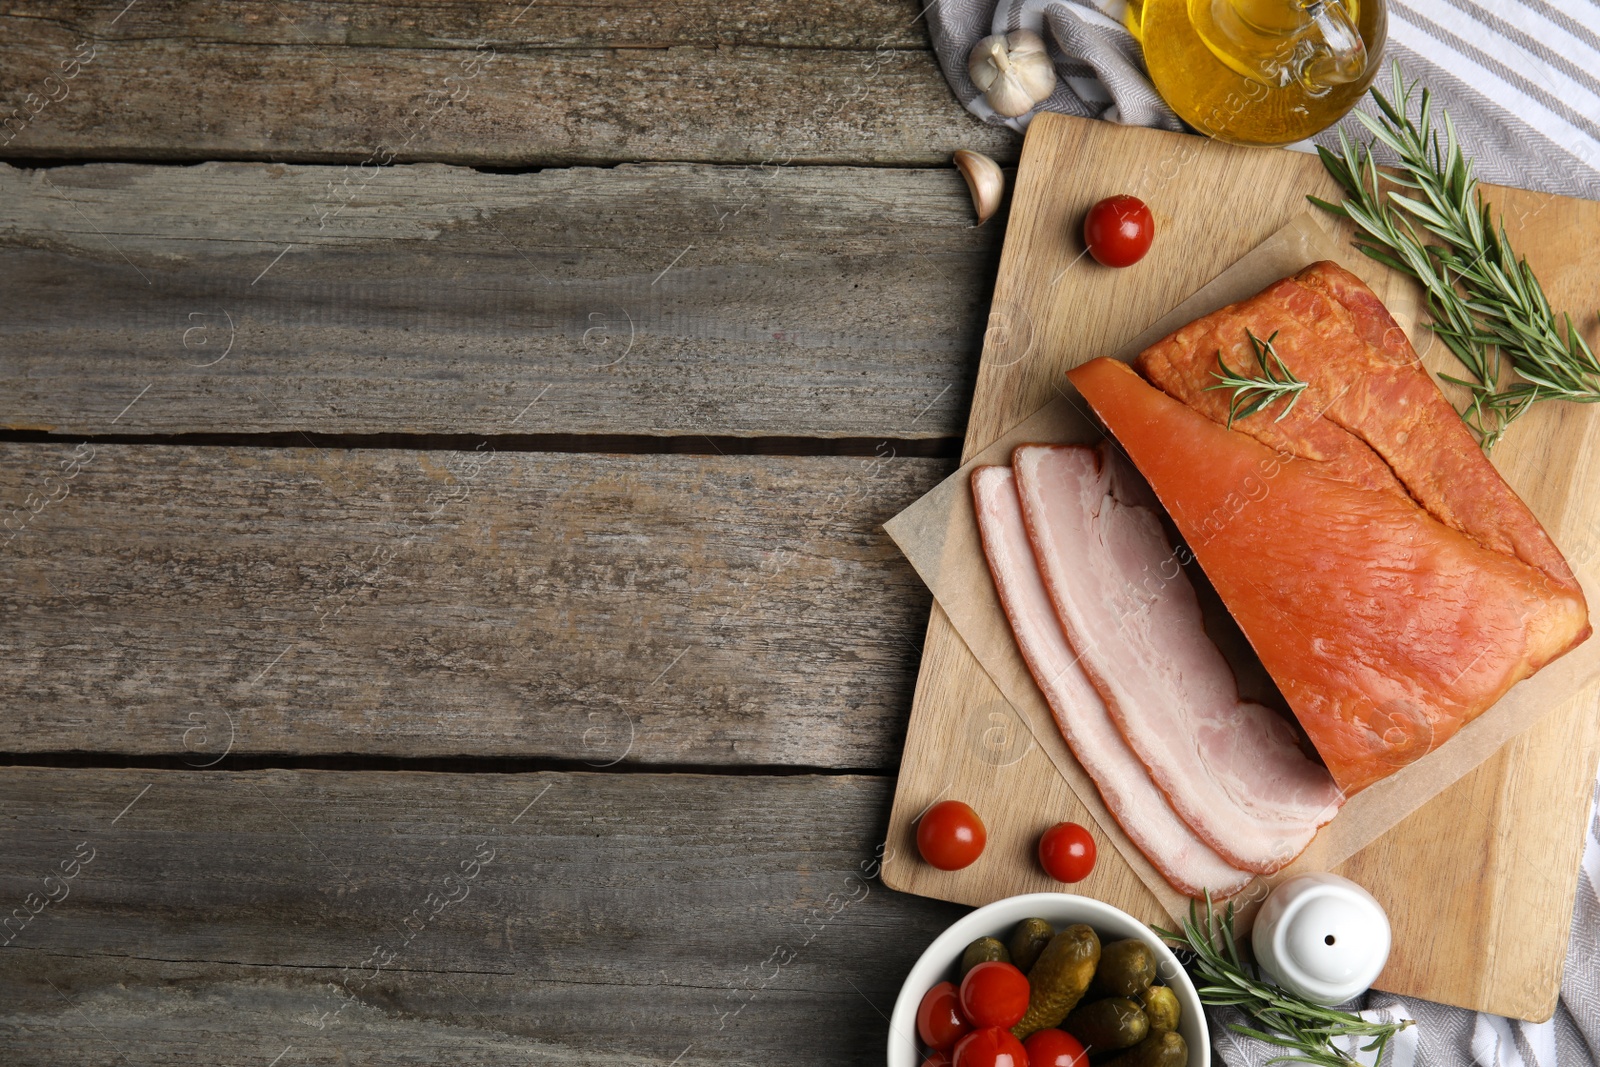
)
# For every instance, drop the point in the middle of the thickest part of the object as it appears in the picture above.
(1391, 581)
(1187, 862)
(1232, 770)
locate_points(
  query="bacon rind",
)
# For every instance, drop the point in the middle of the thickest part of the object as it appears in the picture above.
(1370, 403)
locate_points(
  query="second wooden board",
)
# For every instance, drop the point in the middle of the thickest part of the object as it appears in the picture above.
(1479, 883)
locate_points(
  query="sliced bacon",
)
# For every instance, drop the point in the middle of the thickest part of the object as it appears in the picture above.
(1188, 863)
(1233, 770)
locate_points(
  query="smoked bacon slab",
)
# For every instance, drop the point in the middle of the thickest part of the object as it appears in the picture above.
(1392, 583)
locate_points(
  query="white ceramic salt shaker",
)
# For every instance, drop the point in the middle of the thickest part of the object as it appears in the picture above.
(1321, 936)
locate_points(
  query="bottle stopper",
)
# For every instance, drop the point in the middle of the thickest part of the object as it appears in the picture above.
(1321, 936)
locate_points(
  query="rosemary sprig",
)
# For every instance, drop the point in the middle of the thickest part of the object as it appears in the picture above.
(1250, 395)
(1426, 219)
(1293, 1023)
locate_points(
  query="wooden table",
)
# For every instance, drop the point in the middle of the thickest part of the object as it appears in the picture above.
(447, 618)
(446, 615)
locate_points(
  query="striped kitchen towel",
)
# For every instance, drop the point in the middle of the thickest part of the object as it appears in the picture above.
(1521, 78)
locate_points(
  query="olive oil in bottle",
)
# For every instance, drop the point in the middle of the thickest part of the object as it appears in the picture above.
(1260, 72)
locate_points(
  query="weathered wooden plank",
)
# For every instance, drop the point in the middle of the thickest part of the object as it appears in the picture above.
(198, 602)
(462, 23)
(663, 299)
(618, 919)
(483, 85)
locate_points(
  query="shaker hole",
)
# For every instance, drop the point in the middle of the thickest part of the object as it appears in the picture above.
(1328, 940)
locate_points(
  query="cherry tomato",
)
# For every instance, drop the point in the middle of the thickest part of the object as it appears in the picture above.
(1118, 230)
(940, 1023)
(1054, 1048)
(936, 1059)
(1066, 851)
(990, 1047)
(950, 836)
(994, 993)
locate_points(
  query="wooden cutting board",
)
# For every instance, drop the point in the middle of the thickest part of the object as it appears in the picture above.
(1478, 883)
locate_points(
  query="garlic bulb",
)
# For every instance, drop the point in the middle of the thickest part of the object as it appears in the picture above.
(985, 181)
(1013, 71)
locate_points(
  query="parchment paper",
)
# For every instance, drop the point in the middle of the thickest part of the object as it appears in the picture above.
(939, 535)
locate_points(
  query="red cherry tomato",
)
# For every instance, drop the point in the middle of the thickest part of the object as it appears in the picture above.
(936, 1059)
(1054, 1048)
(990, 1047)
(940, 1023)
(1066, 851)
(950, 836)
(1118, 230)
(994, 993)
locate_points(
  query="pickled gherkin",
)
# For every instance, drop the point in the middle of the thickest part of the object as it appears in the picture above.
(1161, 1008)
(1059, 978)
(1108, 1025)
(1164, 1049)
(1028, 940)
(1126, 969)
(983, 950)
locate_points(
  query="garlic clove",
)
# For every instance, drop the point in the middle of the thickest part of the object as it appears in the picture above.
(1013, 71)
(1009, 97)
(985, 181)
(1030, 58)
(986, 60)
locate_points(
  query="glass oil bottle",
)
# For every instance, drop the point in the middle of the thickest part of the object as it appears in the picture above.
(1260, 72)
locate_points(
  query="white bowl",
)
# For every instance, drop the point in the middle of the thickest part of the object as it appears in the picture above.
(938, 963)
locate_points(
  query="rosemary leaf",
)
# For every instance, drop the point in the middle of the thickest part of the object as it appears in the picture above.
(1251, 394)
(1424, 218)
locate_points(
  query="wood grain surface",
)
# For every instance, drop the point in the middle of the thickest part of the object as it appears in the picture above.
(660, 299)
(205, 602)
(200, 603)
(460, 24)
(231, 918)
(1479, 883)
(477, 84)
(228, 598)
